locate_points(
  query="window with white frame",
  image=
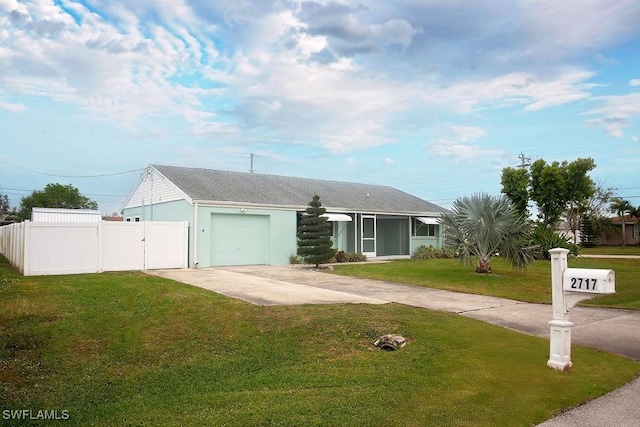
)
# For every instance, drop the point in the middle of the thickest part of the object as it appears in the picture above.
(420, 229)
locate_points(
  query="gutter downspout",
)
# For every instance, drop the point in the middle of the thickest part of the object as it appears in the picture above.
(195, 235)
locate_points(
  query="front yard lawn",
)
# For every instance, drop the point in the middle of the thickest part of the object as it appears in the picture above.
(531, 285)
(611, 250)
(132, 349)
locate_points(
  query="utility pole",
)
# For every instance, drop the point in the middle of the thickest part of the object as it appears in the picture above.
(524, 161)
(252, 157)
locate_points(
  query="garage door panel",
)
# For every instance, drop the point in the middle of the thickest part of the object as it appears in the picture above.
(239, 239)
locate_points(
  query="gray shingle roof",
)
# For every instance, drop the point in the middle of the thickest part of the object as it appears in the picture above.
(241, 187)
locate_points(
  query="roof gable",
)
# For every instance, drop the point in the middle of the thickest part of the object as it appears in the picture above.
(153, 187)
(209, 185)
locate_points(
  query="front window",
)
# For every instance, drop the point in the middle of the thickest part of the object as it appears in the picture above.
(423, 230)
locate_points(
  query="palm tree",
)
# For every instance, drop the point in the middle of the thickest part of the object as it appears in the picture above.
(621, 207)
(483, 226)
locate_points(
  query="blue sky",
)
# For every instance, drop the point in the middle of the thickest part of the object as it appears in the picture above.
(432, 97)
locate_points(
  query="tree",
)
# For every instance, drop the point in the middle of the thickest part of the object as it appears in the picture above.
(55, 196)
(483, 226)
(7, 215)
(588, 234)
(596, 207)
(552, 187)
(621, 207)
(314, 235)
(515, 185)
(604, 226)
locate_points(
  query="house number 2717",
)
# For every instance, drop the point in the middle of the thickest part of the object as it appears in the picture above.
(580, 283)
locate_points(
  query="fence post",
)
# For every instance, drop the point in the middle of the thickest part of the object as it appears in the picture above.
(144, 245)
(26, 235)
(100, 244)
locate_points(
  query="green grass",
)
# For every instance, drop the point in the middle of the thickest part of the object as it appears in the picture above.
(532, 285)
(132, 349)
(611, 250)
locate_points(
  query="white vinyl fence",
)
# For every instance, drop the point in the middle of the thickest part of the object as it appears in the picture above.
(44, 248)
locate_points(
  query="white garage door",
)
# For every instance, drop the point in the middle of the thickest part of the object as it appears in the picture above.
(239, 239)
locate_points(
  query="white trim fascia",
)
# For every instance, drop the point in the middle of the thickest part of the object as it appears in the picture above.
(300, 208)
(126, 202)
(229, 204)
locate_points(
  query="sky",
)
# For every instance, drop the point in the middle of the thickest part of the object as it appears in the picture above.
(432, 97)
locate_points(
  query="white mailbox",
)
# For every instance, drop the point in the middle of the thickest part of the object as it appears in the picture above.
(589, 280)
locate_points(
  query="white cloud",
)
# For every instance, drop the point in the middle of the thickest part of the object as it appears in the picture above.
(459, 144)
(468, 133)
(519, 89)
(615, 112)
(394, 31)
(13, 107)
(115, 74)
(634, 82)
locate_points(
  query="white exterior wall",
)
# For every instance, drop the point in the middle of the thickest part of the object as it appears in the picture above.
(65, 215)
(72, 248)
(153, 188)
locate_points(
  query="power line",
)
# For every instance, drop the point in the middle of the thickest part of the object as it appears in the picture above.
(71, 176)
(89, 194)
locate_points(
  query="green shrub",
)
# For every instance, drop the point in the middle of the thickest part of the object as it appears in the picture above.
(546, 238)
(342, 256)
(295, 259)
(430, 252)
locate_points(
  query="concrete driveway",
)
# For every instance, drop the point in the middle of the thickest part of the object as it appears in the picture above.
(261, 290)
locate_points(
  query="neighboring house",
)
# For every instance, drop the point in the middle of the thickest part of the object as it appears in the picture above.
(241, 218)
(631, 232)
(564, 229)
(65, 215)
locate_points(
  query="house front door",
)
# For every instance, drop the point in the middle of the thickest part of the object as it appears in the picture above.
(368, 233)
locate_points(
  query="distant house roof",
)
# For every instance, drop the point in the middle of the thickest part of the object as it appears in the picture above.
(627, 219)
(242, 187)
(65, 215)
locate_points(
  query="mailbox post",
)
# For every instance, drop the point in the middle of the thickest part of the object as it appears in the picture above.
(569, 286)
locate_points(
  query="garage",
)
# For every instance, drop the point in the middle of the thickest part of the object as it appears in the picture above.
(239, 239)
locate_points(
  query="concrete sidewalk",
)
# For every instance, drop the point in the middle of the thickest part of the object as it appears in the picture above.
(616, 331)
